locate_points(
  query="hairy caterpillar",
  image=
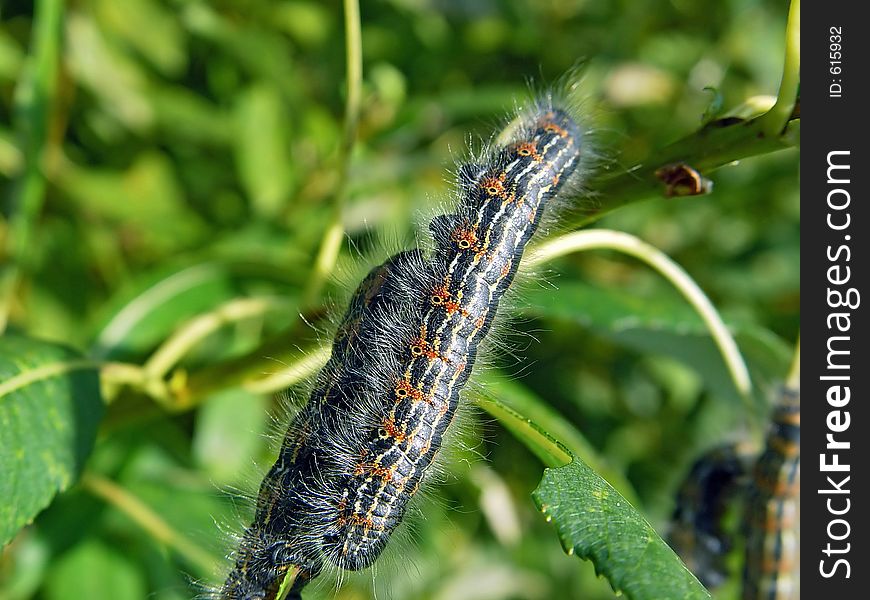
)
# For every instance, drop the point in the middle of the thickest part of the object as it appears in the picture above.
(356, 454)
(697, 531)
(772, 546)
(771, 490)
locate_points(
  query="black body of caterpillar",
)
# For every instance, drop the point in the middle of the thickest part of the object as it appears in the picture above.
(698, 533)
(357, 453)
(772, 545)
(771, 496)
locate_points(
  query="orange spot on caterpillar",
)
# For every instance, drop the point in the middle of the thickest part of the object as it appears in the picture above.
(528, 149)
(405, 389)
(391, 430)
(785, 447)
(383, 473)
(551, 127)
(494, 186)
(440, 295)
(452, 306)
(420, 347)
(772, 566)
(360, 521)
(464, 237)
(506, 269)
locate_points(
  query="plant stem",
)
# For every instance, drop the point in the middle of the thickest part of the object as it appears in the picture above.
(716, 144)
(520, 409)
(148, 519)
(551, 451)
(114, 375)
(777, 117)
(34, 99)
(270, 368)
(198, 328)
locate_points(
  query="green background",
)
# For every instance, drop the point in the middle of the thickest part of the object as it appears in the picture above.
(191, 157)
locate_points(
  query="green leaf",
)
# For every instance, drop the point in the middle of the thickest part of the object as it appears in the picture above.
(596, 523)
(135, 21)
(145, 200)
(50, 407)
(97, 64)
(93, 570)
(230, 429)
(262, 155)
(542, 429)
(153, 306)
(663, 324)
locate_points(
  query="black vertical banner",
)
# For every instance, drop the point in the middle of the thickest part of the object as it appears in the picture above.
(835, 98)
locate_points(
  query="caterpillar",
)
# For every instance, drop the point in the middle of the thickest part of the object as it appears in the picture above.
(697, 531)
(770, 488)
(357, 453)
(772, 545)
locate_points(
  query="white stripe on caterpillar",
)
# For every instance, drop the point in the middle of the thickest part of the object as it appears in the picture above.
(357, 453)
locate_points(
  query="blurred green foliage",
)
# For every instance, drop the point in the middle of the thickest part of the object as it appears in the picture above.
(190, 157)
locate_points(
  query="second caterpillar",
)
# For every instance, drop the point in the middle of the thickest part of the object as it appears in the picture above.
(355, 456)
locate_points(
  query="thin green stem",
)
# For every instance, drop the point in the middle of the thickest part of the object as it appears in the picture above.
(115, 375)
(308, 364)
(200, 327)
(34, 99)
(353, 51)
(287, 584)
(149, 520)
(270, 368)
(330, 245)
(777, 117)
(629, 244)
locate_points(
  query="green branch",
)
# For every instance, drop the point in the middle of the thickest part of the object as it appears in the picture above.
(141, 514)
(715, 145)
(778, 116)
(200, 327)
